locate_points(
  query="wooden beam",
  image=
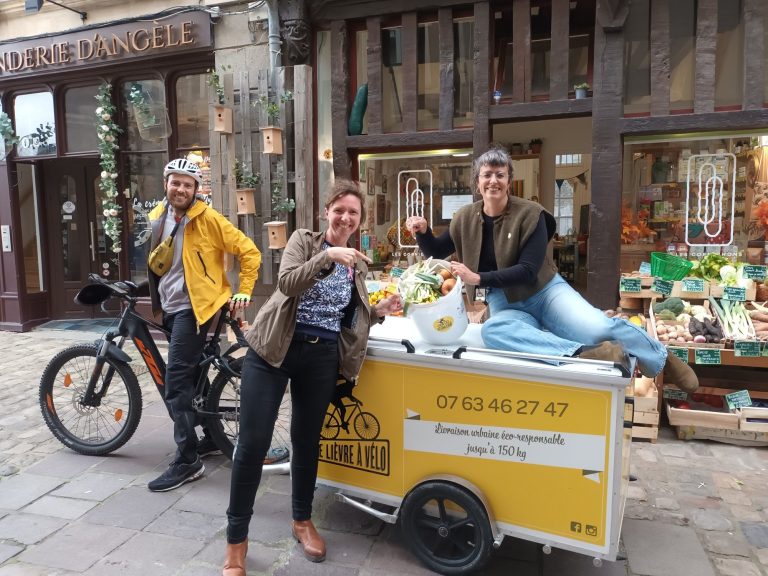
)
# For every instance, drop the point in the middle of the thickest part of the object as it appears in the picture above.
(447, 139)
(266, 275)
(521, 50)
(559, 82)
(342, 166)
(543, 109)
(304, 123)
(754, 45)
(711, 121)
(605, 206)
(445, 34)
(348, 10)
(482, 67)
(410, 71)
(706, 46)
(660, 41)
(373, 111)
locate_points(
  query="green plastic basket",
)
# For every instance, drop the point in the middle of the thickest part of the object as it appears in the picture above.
(668, 266)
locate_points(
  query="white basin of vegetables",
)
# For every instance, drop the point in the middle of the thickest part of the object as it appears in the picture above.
(442, 320)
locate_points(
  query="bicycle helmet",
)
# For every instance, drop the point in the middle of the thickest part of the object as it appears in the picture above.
(185, 167)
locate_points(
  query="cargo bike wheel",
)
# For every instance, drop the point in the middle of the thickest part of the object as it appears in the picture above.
(94, 427)
(447, 528)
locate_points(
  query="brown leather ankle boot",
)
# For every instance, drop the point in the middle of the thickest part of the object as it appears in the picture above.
(234, 561)
(680, 374)
(314, 546)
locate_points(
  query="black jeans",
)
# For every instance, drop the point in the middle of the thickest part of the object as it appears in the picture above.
(184, 351)
(312, 369)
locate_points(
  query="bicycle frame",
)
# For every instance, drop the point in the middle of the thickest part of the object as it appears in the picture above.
(137, 327)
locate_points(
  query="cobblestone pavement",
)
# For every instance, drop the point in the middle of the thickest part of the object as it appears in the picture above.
(697, 508)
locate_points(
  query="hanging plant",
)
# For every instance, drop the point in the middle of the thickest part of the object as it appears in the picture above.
(108, 131)
(7, 133)
(138, 98)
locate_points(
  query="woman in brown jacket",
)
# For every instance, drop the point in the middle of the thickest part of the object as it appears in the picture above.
(313, 328)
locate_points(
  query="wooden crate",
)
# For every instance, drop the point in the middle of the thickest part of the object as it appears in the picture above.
(750, 412)
(645, 417)
(702, 418)
(653, 333)
(725, 435)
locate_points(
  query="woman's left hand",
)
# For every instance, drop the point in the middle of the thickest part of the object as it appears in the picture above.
(389, 305)
(466, 275)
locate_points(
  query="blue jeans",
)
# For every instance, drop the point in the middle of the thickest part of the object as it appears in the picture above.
(557, 321)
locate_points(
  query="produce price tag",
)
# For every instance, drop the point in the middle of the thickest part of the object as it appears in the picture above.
(693, 285)
(675, 394)
(746, 348)
(738, 399)
(707, 356)
(734, 294)
(645, 268)
(396, 272)
(681, 353)
(755, 272)
(662, 286)
(630, 285)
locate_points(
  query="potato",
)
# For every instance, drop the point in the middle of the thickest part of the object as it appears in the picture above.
(446, 274)
(447, 286)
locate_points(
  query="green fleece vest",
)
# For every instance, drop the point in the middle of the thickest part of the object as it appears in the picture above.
(510, 232)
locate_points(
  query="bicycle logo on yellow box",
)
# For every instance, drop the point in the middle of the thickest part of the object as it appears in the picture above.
(350, 435)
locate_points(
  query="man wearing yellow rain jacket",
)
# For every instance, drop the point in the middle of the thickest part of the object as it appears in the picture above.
(189, 290)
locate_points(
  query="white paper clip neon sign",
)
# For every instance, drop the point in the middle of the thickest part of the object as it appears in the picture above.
(706, 203)
(409, 188)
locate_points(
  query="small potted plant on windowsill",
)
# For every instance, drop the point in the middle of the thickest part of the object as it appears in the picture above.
(8, 136)
(278, 229)
(246, 183)
(222, 119)
(581, 90)
(535, 146)
(272, 134)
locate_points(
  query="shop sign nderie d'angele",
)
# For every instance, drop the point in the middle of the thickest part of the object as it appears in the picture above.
(175, 33)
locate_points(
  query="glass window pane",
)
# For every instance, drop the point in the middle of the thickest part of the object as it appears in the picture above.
(361, 68)
(463, 73)
(72, 237)
(80, 119)
(146, 127)
(192, 111)
(729, 57)
(35, 124)
(682, 54)
(392, 79)
(3, 151)
(637, 59)
(541, 49)
(578, 59)
(30, 237)
(144, 174)
(429, 76)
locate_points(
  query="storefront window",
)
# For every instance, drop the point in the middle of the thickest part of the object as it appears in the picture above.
(144, 175)
(3, 150)
(637, 58)
(432, 183)
(35, 124)
(392, 79)
(192, 111)
(146, 117)
(30, 230)
(80, 119)
(429, 76)
(729, 59)
(682, 54)
(673, 200)
(464, 72)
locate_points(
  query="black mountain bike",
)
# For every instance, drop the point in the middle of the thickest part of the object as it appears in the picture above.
(91, 399)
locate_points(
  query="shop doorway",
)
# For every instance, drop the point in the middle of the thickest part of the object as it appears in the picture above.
(76, 239)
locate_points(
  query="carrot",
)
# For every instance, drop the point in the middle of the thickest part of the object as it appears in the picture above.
(759, 316)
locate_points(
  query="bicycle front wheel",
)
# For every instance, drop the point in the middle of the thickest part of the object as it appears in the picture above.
(223, 402)
(101, 426)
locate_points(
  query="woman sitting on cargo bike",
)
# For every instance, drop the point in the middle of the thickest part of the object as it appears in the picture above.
(501, 244)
